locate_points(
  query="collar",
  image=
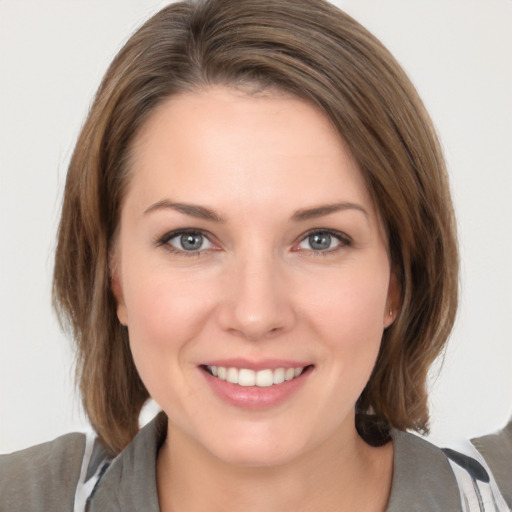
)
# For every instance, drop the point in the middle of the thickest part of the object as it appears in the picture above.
(129, 484)
(423, 480)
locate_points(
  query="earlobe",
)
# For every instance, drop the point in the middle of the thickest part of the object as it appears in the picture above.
(389, 318)
(393, 302)
(118, 293)
(121, 307)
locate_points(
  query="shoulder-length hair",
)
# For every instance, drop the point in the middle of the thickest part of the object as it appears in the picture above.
(312, 50)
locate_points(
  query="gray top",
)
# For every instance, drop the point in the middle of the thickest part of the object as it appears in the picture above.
(497, 451)
(41, 478)
(44, 477)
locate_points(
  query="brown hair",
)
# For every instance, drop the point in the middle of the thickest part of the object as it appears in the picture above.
(312, 50)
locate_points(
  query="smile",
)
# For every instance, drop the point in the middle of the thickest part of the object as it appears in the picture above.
(247, 378)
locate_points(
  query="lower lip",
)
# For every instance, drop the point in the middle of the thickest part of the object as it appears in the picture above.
(253, 397)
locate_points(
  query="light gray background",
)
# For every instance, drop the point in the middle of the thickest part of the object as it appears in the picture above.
(52, 57)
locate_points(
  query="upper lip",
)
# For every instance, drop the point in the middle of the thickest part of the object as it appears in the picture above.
(263, 364)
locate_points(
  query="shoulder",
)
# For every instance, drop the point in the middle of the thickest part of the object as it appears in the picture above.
(428, 478)
(43, 477)
(423, 479)
(496, 449)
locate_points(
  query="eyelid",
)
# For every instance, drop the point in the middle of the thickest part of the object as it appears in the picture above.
(344, 239)
(163, 241)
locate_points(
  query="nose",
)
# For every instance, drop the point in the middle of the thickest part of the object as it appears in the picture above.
(257, 299)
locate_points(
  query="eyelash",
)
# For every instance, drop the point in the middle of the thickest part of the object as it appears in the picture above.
(343, 239)
(163, 241)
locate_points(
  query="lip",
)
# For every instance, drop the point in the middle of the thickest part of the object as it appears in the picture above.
(256, 398)
(263, 364)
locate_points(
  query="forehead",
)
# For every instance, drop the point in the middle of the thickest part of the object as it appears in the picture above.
(222, 144)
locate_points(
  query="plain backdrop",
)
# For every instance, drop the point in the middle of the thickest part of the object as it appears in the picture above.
(52, 57)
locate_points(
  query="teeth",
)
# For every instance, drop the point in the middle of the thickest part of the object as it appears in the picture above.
(232, 375)
(245, 377)
(279, 376)
(289, 374)
(265, 378)
(261, 378)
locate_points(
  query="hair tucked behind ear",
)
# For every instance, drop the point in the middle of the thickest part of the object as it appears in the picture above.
(307, 48)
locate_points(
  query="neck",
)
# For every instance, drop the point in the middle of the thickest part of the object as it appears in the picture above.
(341, 475)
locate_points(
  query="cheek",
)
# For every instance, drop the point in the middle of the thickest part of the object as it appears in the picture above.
(354, 293)
(349, 311)
(165, 319)
(164, 315)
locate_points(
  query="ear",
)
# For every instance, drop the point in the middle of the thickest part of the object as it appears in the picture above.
(117, 290)
(393, 302)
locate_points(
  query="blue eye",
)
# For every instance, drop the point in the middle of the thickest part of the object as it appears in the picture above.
(186, 241)
(190, 241)
(323, 241)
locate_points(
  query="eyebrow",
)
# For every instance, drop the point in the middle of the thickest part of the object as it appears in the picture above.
(193, 210)
(204, 213)
(320, 211)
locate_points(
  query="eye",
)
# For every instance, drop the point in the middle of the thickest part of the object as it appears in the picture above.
(323, 241)
(191, 242)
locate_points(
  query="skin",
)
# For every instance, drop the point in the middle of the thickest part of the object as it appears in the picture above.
(256, 289)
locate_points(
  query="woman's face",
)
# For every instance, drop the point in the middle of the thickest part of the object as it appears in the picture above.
(248, 248)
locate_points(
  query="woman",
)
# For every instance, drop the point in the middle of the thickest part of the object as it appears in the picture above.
(257, 232)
